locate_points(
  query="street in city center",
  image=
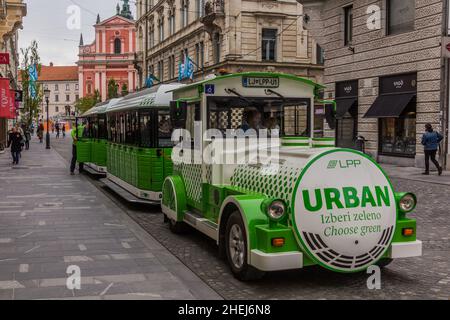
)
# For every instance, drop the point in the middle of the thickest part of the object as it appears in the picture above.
(50, 221)
(227, 158)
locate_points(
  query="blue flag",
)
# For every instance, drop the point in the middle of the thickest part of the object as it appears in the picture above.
(32, 71)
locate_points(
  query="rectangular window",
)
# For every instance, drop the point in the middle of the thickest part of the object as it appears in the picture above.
(348, 25)
(161, 70)
(56, 87)
(200, 8)
(269, 44)
(67, 87)
(400, 16)
(56, 109)
(398, 135)
(145, 129)
(296, 121)
(164, 129)
(67, 98)
(77, 87)
(56, 98)
(320, 55)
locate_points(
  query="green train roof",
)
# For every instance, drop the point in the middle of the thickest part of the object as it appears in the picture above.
(155, 97)
(252, 74)
(100, 108)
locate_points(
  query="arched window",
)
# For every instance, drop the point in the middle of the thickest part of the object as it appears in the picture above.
(117, 46)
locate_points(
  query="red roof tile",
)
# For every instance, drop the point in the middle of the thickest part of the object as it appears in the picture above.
(58, 73)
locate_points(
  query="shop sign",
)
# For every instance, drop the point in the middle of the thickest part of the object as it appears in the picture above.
(347, 222)
(4, 58)
(398, 83)
(4, 97)
(347, 89)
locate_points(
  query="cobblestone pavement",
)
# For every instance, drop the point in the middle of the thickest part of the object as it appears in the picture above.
(427, 277)
(50, 220)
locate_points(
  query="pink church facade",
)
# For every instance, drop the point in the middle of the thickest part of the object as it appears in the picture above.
(110, 56)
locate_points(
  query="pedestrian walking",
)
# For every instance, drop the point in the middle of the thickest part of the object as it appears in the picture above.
(57, 130)
(63, 129)
(430, 141)
(76, 134)
(27, 137)
(40, 132)
(15, 143)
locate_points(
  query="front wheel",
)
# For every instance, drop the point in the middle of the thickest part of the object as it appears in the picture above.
(176, 227)
(236, 248)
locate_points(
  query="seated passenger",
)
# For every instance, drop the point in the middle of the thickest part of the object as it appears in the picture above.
(252, 120)
(272, 124)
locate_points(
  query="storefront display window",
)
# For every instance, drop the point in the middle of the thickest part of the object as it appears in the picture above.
(398, 135)
(395, 108)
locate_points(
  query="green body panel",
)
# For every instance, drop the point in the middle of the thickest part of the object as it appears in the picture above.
(98, 152)
(402, 224)
(142, 168)
(84, 148)
(174, 196)
(252, 215)
(265, 234)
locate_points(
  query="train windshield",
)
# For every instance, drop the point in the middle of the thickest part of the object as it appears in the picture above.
(291, 117)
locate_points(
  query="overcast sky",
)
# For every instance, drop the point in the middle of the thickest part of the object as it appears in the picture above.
(46, 22)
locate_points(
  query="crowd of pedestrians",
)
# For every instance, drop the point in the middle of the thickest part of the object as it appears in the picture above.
(19, 137)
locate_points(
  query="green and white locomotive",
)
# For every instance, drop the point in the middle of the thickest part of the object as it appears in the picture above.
(298, 201)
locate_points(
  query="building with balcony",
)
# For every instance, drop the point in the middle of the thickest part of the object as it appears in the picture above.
(11, 15)
(384, 65)
(111, 55)
(223, 37)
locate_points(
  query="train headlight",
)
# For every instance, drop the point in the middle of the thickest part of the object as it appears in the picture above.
(407, 202)
(276, 210)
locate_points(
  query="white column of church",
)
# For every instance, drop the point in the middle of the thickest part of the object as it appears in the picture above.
(104, 88)
(130, 81)
(81, 84)
(97, 42)
(104, 41)
(131, 41)
(97, 81)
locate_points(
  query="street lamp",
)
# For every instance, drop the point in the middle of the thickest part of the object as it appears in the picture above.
(47, 136)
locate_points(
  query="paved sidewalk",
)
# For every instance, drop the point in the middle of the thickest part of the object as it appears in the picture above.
(50, 220)
(415, 174)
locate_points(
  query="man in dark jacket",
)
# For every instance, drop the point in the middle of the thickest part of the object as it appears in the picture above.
(15, 142)
(430, 142)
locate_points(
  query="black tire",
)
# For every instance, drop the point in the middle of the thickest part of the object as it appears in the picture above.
(384, 262)
(241, 269)
(177, 227)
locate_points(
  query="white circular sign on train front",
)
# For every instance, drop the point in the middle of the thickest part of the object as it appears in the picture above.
(344, 211)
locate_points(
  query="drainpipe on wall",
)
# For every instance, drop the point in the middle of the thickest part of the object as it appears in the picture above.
(445, 90)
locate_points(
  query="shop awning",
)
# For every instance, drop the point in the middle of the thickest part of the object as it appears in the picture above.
(390, 106)
(343, 106)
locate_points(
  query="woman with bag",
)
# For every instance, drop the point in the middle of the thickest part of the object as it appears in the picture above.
(15, 142)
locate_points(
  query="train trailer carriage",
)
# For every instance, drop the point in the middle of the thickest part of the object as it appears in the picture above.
(282, 207)
(139, 144)
(92, 138)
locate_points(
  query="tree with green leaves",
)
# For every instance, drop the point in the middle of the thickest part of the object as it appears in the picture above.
(124, 90)
(87, 102)
(113, 89)
(31, 105)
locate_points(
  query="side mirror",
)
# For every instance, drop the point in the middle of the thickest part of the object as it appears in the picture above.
(178, 113)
